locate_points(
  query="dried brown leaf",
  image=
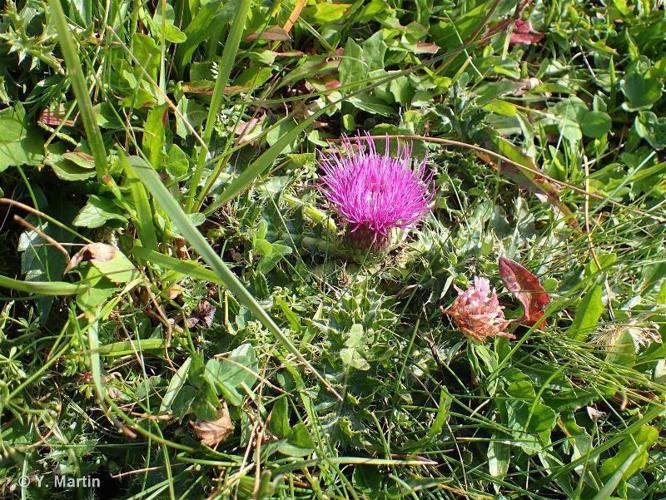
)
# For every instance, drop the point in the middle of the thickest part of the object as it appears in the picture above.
(273, 33)
(213, 432)
(92, 252)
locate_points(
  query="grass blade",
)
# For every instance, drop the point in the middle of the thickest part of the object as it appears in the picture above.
(144, 214)
(169, 204)
(52, 288)
(80, 89)
(257, 167)
(226, 64)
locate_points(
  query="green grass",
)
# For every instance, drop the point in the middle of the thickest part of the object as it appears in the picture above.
(189, 141)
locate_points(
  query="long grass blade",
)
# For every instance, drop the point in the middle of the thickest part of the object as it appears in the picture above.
(261, 164)
(144, 214)
(73, 63)
(172, 208)
(226, 64)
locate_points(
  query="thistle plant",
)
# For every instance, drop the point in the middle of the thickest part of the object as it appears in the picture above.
(375, 193)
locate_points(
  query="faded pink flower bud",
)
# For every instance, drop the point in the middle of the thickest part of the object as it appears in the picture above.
(477, 313)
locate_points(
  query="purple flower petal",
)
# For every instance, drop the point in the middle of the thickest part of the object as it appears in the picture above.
(374, 192)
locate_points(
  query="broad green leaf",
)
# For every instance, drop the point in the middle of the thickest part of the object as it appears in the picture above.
(351, 357)
(651, 128)
(40, 261)
(570, 112)
(587, 315)
(178, 164)
(279, 423)
(374, 50)
(97, 212)
(144, 213)
(352, 67)
(352, 354)
(237, 370)
(299, 443)
(630, 458)
(499, 457)
(622, 351)
(153, 135)
(579, 439)
(97, 290)
(20, 143)
(208, 14)
(595, 124)
(329, 12)
(159, 22)
(641, 90)
(147, 53)
(292, 318)
(65, 168)
(283, 128)
(177, 382)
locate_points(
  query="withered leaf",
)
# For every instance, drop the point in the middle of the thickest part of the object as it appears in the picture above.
(526, 287)
(204, 313)
(92, 251)
(273, 33)
(108, 260)
(213, 432)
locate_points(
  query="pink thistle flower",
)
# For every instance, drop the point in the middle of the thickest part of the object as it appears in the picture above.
(523, 33)
(477, 313)
(374, 193)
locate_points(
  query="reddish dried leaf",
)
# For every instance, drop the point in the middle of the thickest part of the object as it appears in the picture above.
(203, 315)
(54, 118)
(523, 33)
(526, 38)
(526, 287)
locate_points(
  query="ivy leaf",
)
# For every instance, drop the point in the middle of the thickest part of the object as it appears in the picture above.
(526, 287)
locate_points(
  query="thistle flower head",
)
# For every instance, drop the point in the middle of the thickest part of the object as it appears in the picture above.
(477, 313)
(374, 193)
